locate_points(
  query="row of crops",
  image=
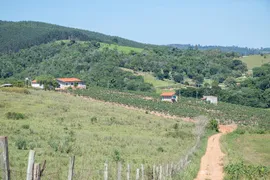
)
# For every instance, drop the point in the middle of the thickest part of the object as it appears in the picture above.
(185, 107)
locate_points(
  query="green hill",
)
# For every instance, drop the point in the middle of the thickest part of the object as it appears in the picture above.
(24, 34)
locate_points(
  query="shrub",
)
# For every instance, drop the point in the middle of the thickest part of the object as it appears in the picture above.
(213, 125)
(21, 143)
(25, 126)
(240, 131)
(14, 115)
(242, 171)
(94, 120)
(160, 149)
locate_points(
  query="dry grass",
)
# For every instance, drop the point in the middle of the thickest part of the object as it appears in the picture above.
(60, 125)
(253, 149)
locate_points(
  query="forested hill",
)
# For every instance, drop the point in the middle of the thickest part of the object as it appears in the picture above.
(24, 34)
(243, 51)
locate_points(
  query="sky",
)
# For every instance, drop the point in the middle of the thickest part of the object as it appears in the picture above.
(244, 23)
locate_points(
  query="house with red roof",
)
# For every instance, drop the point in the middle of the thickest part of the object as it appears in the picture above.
(64, 83)
(70, 82)
(169, 96)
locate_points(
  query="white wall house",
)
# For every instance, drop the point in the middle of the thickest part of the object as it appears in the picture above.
(70, 82)
(34, 84)
(211, 99)
(169, 96)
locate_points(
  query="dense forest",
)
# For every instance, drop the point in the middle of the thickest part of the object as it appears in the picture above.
(24, 34)
(243, 51)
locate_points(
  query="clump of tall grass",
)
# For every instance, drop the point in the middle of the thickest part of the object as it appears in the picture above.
(15, 115)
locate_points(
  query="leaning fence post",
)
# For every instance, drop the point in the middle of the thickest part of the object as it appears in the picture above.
(119, 169)
(105, 171)
(128, 172)
(71, 168)
(138, 174)
(36, 171)
(4, 157)
(31, 160)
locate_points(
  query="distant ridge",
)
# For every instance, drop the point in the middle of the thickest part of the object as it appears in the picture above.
(244, 51)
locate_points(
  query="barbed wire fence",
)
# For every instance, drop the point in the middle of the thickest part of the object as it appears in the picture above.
(119, 171)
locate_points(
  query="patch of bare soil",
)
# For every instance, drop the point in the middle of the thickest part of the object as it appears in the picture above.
(212, 161)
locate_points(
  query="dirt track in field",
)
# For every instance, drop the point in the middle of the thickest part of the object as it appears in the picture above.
(212, 162)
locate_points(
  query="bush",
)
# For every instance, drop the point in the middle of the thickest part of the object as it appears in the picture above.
(14, 115)
(25, 126)
(160, 149)
(213, 125)
(242, 171)
(21, 143)
(240, 131)
(94, 120)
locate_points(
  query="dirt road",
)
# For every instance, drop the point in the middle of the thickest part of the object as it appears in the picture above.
(212, 161)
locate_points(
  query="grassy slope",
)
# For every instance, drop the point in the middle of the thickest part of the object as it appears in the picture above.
(255, 60)
(124, 49)
(251, 149)
(57, 118)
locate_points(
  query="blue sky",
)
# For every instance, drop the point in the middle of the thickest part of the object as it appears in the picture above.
(207, 22)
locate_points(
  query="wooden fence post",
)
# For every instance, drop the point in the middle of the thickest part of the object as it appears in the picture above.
(71, 168)
(128, 172)
(160, 173)
(119, 169)
(30, 167)
(4, 159)
(138, 174)
(36, 171)
(142, 169)
(106, 171)
(154, 172)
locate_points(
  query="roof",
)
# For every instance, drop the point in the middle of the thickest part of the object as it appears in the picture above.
(6, 85)
(69, 79)
(34, 81)
(168, 94)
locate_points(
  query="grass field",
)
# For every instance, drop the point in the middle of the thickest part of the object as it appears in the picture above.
(252, 150)
(59, 125)
(255, 60)
(124, 49)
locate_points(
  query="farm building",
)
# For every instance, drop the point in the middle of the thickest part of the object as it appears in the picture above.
(168, 96)
(70, 82)
(35, 84)
(63, 83)
(211, 99)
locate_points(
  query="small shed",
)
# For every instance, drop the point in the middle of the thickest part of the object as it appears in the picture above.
(35, 84)
(211, 99)
(169, 96)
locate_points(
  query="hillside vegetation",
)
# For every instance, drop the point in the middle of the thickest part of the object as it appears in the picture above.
(58, 125)
(24, 34)
(243, 51)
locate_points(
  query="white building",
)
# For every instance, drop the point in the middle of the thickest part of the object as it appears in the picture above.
(70, 82)
(211, 99)
(34, 84)
(63, 83)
